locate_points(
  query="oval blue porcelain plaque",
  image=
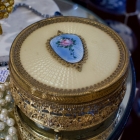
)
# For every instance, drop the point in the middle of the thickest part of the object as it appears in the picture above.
(69, 47)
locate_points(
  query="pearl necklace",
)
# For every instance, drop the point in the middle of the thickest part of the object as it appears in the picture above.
(7, 129)
(34, 10)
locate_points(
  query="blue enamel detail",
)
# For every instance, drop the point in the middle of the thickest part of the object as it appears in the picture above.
(69, 47)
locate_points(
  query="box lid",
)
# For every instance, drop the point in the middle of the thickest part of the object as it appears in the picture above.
(61, 58)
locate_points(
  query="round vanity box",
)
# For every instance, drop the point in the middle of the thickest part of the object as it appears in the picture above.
(68, 74)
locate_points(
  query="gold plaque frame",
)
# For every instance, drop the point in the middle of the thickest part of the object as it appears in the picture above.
(77, 65)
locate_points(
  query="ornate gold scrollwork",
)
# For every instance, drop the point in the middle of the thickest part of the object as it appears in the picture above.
(6, 7)
(67, 117)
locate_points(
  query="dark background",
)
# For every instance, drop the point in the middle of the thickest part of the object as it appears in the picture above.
(132, 128)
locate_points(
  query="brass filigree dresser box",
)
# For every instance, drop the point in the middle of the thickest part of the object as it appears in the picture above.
(68, 73)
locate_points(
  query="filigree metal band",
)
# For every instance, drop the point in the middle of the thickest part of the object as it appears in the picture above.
(30, 81)
(67, 117)
(26, 132)
(77, 65)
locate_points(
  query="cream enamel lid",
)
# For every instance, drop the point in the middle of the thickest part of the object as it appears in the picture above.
(103, 57)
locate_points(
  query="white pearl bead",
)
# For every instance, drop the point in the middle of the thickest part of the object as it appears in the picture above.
(2, 126)
(8, 98)
(4, 111)
(9, 92)
(2, 102)
(6, 84)
(2, 87)
(10, 122)
(12, 131)
(8, 137)
(3, 117)
(1, 95)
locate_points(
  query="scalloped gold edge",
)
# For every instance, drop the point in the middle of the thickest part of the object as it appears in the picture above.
(77, 65)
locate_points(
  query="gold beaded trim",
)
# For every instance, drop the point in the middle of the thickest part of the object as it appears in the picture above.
(67, 117)
(77, 65)
(6, 7)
